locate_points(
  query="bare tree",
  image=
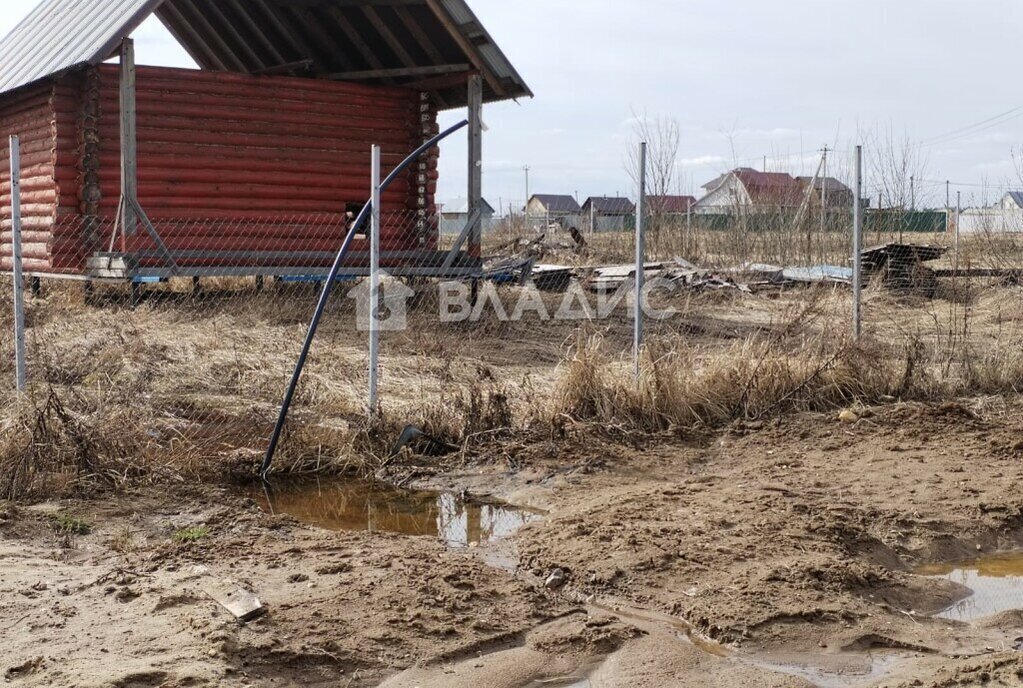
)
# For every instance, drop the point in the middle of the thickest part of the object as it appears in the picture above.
(897, 169)
(663, 136)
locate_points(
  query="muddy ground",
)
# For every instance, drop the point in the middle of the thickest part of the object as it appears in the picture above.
(773, 553)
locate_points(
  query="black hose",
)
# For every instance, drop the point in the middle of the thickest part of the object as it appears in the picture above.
(328, 287)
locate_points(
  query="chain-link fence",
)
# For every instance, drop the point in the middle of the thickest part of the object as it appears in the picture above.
(171, 347)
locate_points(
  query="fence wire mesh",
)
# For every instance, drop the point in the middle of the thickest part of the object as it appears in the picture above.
(183, 347)
(157, 370)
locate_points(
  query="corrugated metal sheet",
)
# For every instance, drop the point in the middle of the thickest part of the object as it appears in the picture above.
(61, 34)
(426, 45)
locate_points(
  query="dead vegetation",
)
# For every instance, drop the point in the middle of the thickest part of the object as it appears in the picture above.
(182, 391)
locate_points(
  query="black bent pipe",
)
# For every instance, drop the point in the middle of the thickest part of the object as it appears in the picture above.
(328, 287)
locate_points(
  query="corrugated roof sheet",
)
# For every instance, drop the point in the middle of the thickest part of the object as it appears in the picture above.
(430, 45)
(61, 34)
(671, 204)
(555, 203)
(609, 206)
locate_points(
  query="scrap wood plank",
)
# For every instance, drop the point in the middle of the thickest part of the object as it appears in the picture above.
(243, 604)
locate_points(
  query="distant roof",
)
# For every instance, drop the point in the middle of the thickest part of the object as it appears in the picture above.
(832, 183)
(429, 45)
(610, 206)
(460, 206)
(557, 204)
(671, 204)
(766, 188)
(1017, 197)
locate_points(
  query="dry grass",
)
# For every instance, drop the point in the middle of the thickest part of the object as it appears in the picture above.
(805, 362)
(764, 239)
(188, 391)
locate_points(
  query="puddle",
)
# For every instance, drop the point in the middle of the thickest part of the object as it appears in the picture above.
(828, 671)
(367, 506)
(996, 582)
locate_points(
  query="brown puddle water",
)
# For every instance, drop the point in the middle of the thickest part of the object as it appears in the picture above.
(368, 506)
(996, 582)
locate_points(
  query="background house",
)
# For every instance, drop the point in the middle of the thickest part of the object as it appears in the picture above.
(826, 189)
(1006, 216)
(748, 190)
(670, 206)
(543, 209)
(604, 214)
(455, 214)
(1013, 200)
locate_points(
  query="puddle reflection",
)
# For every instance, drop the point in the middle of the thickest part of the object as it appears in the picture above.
(356, 505)
(996, 582)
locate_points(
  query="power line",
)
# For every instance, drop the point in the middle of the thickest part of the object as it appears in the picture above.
(974, 128)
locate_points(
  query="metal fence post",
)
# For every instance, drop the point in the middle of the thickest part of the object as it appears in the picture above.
(858, 247)
(640, 259)
(959, 217)
(19, 280)
(374, 283)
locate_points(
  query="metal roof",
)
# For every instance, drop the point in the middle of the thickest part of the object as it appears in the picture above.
(555, 203)
(429, 45)
(609, 206)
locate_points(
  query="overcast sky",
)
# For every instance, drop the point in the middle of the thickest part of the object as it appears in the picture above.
(744, 78)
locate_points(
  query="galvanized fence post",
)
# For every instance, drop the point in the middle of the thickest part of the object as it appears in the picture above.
(374, 284)
(640, 260)
(19, 280)
(858, 247)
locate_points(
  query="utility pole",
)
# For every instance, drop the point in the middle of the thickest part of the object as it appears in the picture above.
(912, 193)
(948, 196)
(526, 170)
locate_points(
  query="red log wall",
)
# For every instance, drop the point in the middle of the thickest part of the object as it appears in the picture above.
(226, 162)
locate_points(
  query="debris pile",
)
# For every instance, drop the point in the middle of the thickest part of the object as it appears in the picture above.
(900, 266)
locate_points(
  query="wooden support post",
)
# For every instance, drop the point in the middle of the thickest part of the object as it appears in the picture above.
(476, 164)
(20, 379)
(129, 142)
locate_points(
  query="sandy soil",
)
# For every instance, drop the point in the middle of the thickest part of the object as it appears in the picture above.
(772, 554)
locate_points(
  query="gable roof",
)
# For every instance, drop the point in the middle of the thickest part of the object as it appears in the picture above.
(764, 188)
(430, 45)
(555, 203)
(671, 204)
(1016, 197)
(609, 206)
(818, 184)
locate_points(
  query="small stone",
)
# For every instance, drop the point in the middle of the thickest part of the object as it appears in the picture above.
(555, 580)
(848, 417)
